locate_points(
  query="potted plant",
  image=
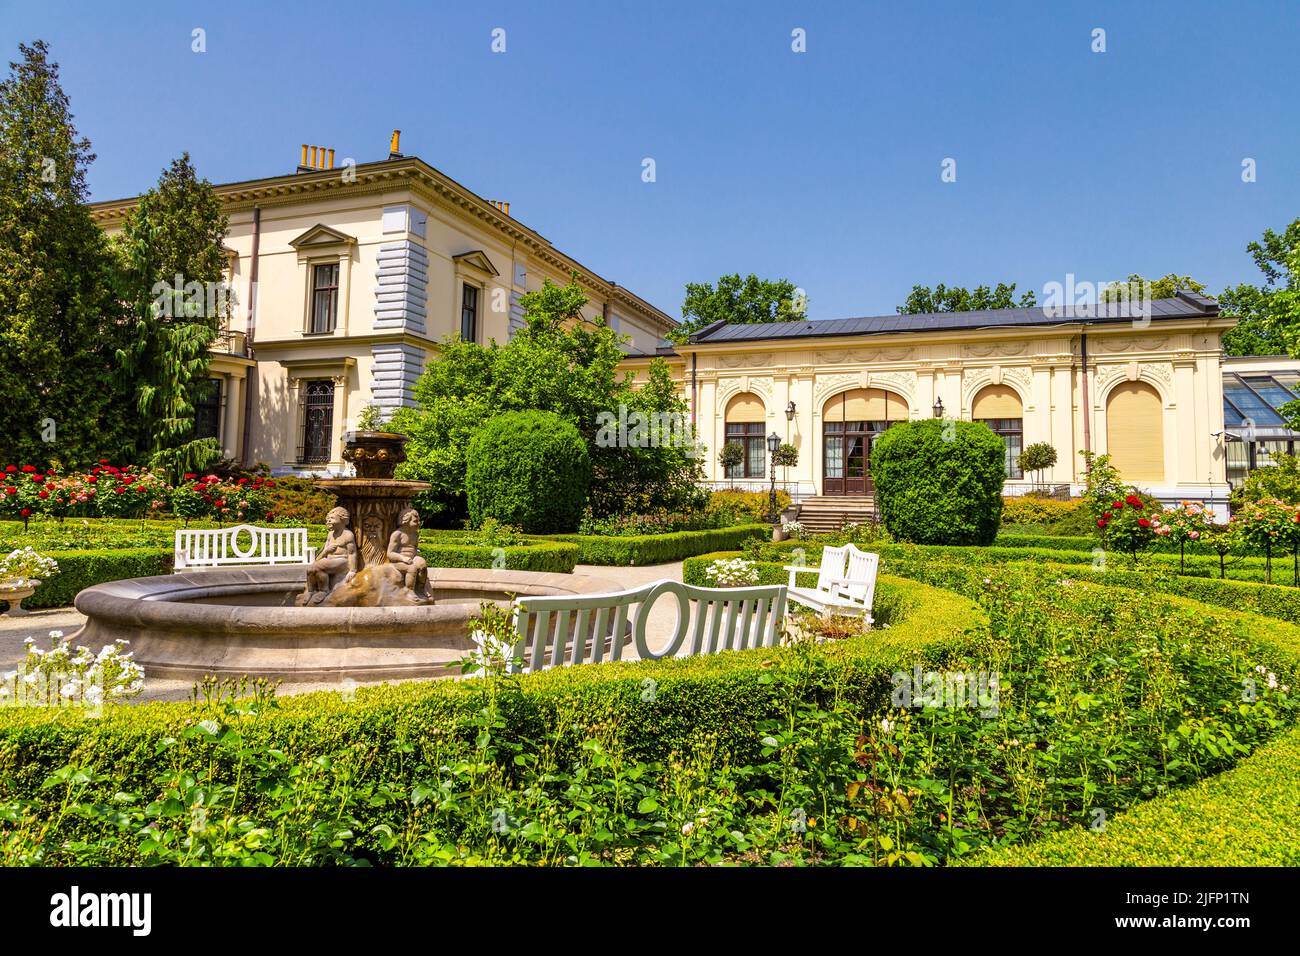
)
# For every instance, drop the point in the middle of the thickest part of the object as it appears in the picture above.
(21, 572)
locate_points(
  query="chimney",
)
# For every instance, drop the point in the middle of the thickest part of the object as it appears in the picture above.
(395, 145)
(503, 206)
(315, 158)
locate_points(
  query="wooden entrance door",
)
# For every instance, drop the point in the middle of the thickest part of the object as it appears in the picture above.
(846, 460)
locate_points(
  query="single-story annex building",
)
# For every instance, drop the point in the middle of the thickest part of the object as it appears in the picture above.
(1147, 389)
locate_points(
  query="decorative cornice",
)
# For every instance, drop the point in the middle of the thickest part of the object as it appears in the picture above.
(386, 176)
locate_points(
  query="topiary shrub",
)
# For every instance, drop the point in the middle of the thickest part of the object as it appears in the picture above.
(528, 469)
(939, 482)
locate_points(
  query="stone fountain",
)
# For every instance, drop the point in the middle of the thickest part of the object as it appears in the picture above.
(371, 557)
(367, 610)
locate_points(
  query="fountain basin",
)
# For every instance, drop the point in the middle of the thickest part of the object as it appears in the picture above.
(235, 621)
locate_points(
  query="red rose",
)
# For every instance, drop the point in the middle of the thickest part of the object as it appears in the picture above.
(1117, 505)
(11, 491)
(190, 476)
(103, 461)
(1144, 522)
(221, 502)
(29, 468)
(242, 481)
(92, 479)
(1107, 516)
(38, 478)
(10, 468)
(25, 512)
(119, 489)
(1101, 523)
(269, 483)
(42, 493)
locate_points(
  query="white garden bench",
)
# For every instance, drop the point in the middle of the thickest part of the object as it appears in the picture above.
(242, 545)
(555, 631)
(840, 589)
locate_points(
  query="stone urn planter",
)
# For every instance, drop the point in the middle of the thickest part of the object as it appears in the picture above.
(374, 454)
(14, 593)
(779, 533)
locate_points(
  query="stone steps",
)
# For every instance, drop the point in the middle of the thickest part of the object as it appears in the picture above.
(826, 513)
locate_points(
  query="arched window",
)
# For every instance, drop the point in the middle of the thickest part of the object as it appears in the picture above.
(745, 423)
(1135, 432)
(999, 407)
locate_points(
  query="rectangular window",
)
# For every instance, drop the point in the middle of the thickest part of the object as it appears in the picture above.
(748, 435)
(1009, 430)
(469, 313)
(207, 409)
(324, 298)
(317, 422)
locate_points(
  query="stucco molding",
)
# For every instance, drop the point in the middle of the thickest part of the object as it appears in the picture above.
(827, 387)
(1018, 378)
(1159, 376)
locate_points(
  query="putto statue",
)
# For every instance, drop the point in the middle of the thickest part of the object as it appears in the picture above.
(404, 552)
(337, 557)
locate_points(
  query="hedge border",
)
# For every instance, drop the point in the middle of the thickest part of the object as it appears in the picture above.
(636, 550)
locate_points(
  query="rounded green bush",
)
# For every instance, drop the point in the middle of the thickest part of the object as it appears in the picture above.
(529, 469)
(939, 482)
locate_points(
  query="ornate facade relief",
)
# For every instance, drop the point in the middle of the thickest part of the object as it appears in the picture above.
(987, 349)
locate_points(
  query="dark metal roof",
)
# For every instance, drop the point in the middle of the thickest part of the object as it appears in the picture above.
(1183, 305)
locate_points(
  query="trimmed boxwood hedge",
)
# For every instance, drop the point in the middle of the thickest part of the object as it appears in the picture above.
(660, 548)
(81, 569)
(1242, 817)
(533, 556)
(715, 699)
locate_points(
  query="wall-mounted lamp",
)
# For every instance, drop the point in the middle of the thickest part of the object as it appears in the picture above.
(789, 412)
(938, 408)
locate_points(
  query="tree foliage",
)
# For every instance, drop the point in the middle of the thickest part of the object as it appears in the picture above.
(1269, 314)
(171, 274)
(59, 319)
(1166, 287)
(943, 298)
(738, 300)
(560, 363)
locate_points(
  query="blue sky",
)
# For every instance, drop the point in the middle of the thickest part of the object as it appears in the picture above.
(822, 167)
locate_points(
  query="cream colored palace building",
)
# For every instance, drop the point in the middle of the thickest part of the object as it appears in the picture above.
(1150, 394)
(347, 279)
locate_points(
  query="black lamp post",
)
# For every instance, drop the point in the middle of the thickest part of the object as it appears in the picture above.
(938, 408)
(773, 443)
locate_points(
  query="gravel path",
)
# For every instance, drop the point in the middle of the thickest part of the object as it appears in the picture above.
(38, 624)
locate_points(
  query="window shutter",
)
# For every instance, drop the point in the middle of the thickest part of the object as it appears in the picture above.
(1135, 432)
(746, 407)
(996, 401)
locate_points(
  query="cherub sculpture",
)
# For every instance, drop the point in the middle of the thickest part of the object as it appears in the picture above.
(404, 552)
(339, 555)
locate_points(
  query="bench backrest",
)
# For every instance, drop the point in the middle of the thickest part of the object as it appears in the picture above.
(241, 544)
(861, 577)
(554, 631)
(832, 568)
